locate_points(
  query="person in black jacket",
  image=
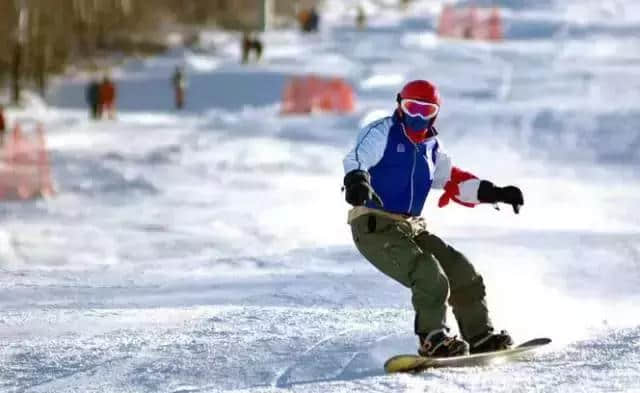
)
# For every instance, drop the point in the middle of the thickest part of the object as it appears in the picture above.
(92, 97)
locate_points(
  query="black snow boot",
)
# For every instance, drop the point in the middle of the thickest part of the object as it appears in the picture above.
(491, 342)
(438, 345)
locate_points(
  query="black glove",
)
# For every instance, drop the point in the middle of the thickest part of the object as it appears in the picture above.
(357, 185)
(489, 193)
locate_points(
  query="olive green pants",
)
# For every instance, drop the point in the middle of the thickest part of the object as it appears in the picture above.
(405, 251)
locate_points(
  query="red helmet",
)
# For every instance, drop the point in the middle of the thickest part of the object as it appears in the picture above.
(420, 90)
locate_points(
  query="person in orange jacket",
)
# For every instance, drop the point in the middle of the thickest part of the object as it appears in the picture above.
(107, 98)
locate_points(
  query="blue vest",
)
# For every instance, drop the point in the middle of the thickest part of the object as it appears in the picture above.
(401, 170)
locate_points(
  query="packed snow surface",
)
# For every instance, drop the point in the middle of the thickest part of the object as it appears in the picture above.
(208, 251)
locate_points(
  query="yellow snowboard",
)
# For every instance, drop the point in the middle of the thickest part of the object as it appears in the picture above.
(415, 363)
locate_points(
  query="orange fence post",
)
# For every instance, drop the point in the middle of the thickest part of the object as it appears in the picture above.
(13, 154)
(494, 25)
(473, 24)
(446, 20)
(44, 167)
(287, 97)
(4, 163)
(15, 144)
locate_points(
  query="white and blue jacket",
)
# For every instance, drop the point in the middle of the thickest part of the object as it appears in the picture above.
(403, 172)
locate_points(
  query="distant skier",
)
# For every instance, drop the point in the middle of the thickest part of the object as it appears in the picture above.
(107, 98)
(246, 47)
(314, 19)
(309, 20)
(93, 97)
(179, 81)
(251, 43)
(389, 172)
(361, 18)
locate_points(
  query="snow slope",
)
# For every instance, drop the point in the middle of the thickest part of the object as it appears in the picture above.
(208, 250)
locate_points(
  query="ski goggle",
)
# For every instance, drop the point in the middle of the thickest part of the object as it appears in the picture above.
(417, 108)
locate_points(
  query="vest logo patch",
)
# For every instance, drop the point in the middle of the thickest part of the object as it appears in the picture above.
(400, 148)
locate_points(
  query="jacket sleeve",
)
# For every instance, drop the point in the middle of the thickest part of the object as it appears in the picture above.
(369, 148)
(459, 186)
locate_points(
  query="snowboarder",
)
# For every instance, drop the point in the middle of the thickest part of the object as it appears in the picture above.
(389, 172)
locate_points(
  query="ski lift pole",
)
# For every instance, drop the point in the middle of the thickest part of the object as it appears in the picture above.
(18, 49)
(266, 14)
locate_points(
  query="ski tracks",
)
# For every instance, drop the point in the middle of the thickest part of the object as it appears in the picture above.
(282, 378)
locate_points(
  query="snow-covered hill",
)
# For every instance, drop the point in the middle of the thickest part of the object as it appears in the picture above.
(208, 250)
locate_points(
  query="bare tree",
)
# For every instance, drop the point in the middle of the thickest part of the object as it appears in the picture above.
(43, 36)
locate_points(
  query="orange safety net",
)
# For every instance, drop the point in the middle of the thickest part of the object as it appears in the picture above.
(25, 171)
(312, 93)
(471, 23)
